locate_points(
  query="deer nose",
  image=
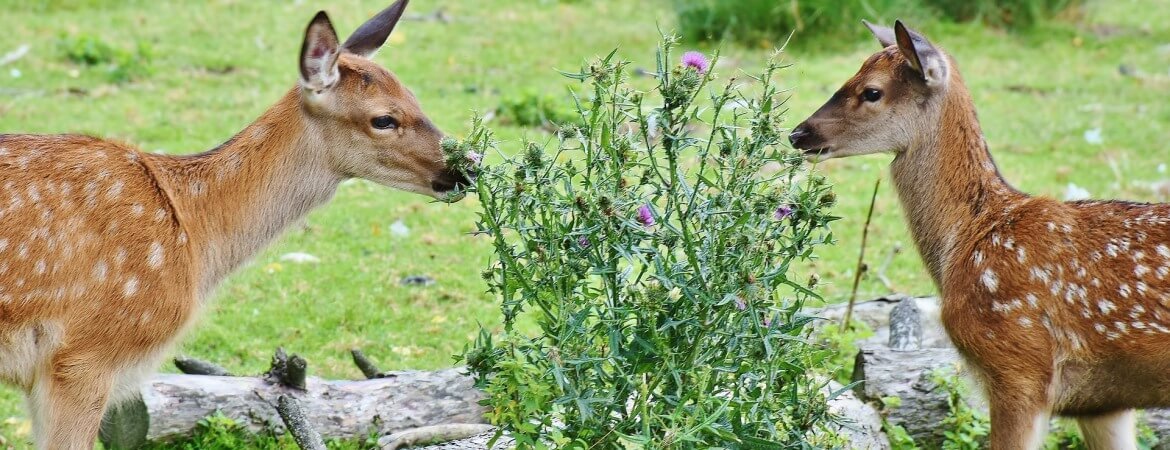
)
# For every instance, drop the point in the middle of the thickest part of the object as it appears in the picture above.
(796, 134)
(451, 179)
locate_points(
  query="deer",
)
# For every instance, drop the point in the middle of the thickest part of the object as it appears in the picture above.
(1056, 308)
(108, 253)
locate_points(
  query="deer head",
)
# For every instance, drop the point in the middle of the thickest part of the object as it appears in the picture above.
(366, 122)
(890, 104)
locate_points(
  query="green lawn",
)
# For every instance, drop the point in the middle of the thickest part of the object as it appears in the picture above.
(219, 64)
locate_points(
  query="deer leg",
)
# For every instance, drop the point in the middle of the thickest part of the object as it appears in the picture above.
(1019, 420)
(1116, 431)
(68, 402)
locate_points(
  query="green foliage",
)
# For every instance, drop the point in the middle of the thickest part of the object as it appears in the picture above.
(532, 109)
(965, 428)
(121, 65)
(769, 21)
(219, 432)
(1146, 438)
(900, 439)
(1011, 13)
(842, 346)
(652, 253)
(1063, 435)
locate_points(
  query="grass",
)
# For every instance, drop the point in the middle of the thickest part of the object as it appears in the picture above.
(217, 65)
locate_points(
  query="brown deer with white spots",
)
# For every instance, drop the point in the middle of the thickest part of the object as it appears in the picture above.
(107, 253)
(1057, 307)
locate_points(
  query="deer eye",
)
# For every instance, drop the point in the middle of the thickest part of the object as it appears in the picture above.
(871, 95)
(384, 123)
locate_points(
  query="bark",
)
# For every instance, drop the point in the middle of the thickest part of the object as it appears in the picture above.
(192, 366)
(172, 405)
(306, 437)
(908, 375)
(905, 327)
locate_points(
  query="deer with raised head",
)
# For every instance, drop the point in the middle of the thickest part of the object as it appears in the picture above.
(107, 253)
(1058, 308)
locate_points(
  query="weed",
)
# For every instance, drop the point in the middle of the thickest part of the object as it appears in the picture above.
(652, 254)
(121, 65)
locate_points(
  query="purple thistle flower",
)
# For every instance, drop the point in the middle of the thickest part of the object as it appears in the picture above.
(697, 61)
(767, 321)
(739, 303)
(645, 217)
(783, 211)
(475, 158)
(583, 241)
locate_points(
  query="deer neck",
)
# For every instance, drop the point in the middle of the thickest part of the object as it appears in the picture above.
(237, 198)
(947, 182)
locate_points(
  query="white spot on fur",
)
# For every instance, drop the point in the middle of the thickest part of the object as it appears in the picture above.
(183, 238)
(1032, 300)
(1021, 255)
(1124, 290)
(1025, 322)
(1051, 226)
(131, 286)
(120, 256)
(1055, 286)
(1106, 306)
(1141, 270)
(115, 190)
(100, 270)
(3, 244)
(989, 280)
(160, 214)
(137, 209)
(1111, 250)
(1163, 250)
(155, 259)
(22, 251)
(1163, 271)
(40, 267)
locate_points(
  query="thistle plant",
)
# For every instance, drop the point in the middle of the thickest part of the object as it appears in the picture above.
(642, 262)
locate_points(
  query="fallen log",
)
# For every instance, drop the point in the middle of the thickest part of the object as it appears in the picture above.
(306, 437)
(908, 375)
(172, 405)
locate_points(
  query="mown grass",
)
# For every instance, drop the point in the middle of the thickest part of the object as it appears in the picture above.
(217, 65)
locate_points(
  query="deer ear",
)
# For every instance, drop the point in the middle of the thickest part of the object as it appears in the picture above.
(921, 55)
(319, 54)
(371, 35)
(884, 35)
